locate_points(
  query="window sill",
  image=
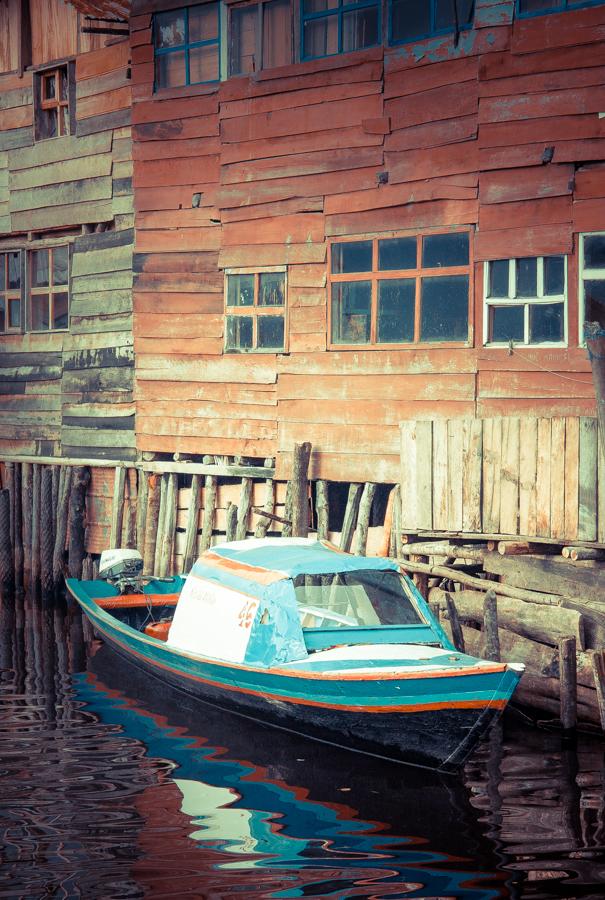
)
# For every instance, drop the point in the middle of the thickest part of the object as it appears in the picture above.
(187, 90)
(420, 345)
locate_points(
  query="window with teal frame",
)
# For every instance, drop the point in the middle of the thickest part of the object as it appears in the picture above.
(187, 46)
(330, 27)
(410, 20)
(528, 8)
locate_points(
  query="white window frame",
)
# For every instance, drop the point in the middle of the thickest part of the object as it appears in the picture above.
(513, 301)
(585, 274)
(253, 310)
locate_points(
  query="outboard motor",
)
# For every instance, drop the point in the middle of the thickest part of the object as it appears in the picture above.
(123, 569)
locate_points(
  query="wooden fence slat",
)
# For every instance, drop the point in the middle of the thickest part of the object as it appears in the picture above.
(587, 524)
(454, 474)
(424, 474)
(408, 480)
(543, 479)
(600, 490)
(472, 454)
(572, 459)
(440, 485)
(492, 461)
(509, 477)
(528, 451)
(557, 478)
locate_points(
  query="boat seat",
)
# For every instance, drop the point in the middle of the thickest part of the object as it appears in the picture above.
(158, 630)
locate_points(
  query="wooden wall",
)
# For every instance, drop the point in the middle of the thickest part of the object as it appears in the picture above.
(288, 158)
(71, 392)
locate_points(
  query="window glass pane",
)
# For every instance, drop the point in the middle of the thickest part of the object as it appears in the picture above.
(271, 332)
(277, 34)
(594, 251)
(60, 265)
(2, 271)
(351, 311)
(48, 123)
(594, 301)
(14, 313)
(545, 322)
(445, 250)
(39, 268)
(354, 256)
(60, 310)
(14, 270)
(49, 87)
(444, 308)
(63, 120)
(359, 29)
(530, 6)
(271, 289)
(409, 20)
(320, 37)
(2, 315)
(314, 6)
(397, 253)
(39, 312)
(240, 290)
(239, 333)
(170, 70)
(203, 22)
(527, 277)
(444, 14)
(170, 29)
(243, 40)
(203, 64)
(396, 303)
(507, 323)
(62, 74)
(498, 278)
(554, 275)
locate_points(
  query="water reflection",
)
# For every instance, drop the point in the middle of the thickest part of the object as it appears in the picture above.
(111, 787)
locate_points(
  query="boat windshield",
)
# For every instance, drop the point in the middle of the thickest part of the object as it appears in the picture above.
(352, 599)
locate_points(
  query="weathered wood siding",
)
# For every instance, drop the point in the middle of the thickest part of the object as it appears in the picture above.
(71, 392)
(284, 160)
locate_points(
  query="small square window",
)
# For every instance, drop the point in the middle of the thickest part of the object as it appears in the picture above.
(53, 108)
(10, 291)
(255, 312)
(48, 289)
(187, 46)
(525, 301)
(330, 27)
(592, 280)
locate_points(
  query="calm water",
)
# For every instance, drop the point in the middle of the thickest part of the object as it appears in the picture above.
(110, 788)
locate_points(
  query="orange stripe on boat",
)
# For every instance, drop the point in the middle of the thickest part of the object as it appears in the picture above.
(244, 570)
(130, 601)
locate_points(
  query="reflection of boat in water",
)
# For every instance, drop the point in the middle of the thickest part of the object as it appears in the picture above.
(296, 634)
(242, 809)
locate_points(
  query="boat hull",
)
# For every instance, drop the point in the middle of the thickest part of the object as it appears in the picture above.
(425, 721)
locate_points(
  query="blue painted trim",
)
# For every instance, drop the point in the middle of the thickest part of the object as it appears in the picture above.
(187, 47)
(321, 638)
(562, 6)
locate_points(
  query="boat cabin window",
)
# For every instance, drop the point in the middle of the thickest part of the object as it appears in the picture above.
(354, 599)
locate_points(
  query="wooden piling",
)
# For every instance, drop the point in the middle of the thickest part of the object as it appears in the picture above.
(421, 579)
(47, 544)
(435, 609)
(151, 523)
(117, 507)
(262, 526)
(6, 553)
(243, 509)
(287, 523)
(322, 506)
(210, 488)
(87, 568)
(18, 538)
(598, 670)
(231, 526)
(363, 518)
(129, 517)
(569, 683)
(300, 489)
(457, 635)
(350, 517)
(490, 626)
(160, 527)
(26, 513)
(9, 474)
(61, 531)
(142, 495)
(35, 578)
(193, 516)
(56, 480)
(168, 525)
(77, 520)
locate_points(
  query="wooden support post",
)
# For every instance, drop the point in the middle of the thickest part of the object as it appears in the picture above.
(243, 509)
(151, 524)
(231, 526)
(595, 343)
(457, 635)
(87, 568)
(6, 553)
(421, 579)
(26, 511)
(396, 542)
(56, 478)
(129, 519)
(513, 548)
(61, 533)
(490, 626)
(598, 670)
(9, 471)
(435, 609)
(117, 508)
(569, 683)
(210, 489)
(193, 516)
(161, 523)
(35, 579)
(47, 544)
(262, 526)
(18, 541)
(363, 519)
(300, 489)
(287, 525)
(169, 525)
(350, 518)
(322, 505)
(77, 520)
(142, 495)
